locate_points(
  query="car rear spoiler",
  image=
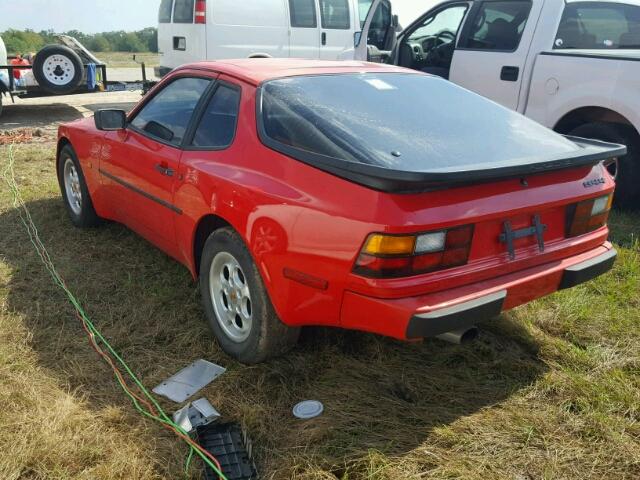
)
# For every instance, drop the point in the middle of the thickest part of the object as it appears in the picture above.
(587, 153)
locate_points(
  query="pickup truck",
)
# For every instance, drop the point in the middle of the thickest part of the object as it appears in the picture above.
(573, 65)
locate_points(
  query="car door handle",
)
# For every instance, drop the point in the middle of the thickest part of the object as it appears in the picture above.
(510, 74)
(324, 38)
(164, 170)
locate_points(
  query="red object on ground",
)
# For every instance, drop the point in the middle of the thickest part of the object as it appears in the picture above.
(309, 230)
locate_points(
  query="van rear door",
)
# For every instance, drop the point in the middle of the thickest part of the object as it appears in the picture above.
(182, 32)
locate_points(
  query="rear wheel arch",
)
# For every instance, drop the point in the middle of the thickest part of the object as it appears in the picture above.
(584, 115)
(206, 226)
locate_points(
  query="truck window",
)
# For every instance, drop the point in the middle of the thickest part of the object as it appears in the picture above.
(379, 30)
(171, 109)
(498, 26)
(335, 14)
(599, 25)
(303, 13)
(166, 7)
(218, 125)
(183, 12)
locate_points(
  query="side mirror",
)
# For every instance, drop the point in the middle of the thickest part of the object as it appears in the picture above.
(110, 120)
(356, 39)
(395, 21)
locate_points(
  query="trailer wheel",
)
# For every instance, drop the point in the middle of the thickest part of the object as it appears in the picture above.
(58, 69)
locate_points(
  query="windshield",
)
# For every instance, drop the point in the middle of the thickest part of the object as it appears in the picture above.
(399, 121)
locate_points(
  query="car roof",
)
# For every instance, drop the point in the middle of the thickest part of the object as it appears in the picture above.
(258, 70)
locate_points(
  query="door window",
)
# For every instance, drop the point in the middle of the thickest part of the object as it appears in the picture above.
(440, 28)
(183, 12)
(218, 124)
(498, 26)
(303, 13)
(380, 27)
(335, 14)
(596, 25)
(166, 116)
(166, 7)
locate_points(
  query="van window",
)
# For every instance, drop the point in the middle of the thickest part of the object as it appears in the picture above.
(183, 12)
(166, 7)
(597, 25)
(498, 26)
(218, 125)
(335, 14)
(303, 13)
(170, 111)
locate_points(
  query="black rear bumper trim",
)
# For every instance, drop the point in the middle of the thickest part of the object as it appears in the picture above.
(585, 271)
(460, 316)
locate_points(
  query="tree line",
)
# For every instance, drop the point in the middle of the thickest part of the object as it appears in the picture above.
(28, 41)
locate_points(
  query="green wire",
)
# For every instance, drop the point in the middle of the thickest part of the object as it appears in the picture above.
(25, 216)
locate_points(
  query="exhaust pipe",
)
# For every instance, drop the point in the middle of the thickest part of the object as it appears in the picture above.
(461, 336)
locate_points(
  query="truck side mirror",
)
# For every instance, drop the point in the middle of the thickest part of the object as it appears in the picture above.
(395, 21)
(110, 120)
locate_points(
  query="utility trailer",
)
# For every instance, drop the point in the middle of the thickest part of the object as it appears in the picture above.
(67, 68)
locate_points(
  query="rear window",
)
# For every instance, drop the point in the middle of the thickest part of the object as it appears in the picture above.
(335, 14)
(166, 7)
(596, 25)
(183, 12)
(397, 121)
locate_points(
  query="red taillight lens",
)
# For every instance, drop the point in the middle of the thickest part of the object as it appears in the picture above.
(201, 12)
(393, 256)
(589, 215)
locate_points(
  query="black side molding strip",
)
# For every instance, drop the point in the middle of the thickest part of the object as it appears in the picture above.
(459, 316)
(585, 271)
(133, 188)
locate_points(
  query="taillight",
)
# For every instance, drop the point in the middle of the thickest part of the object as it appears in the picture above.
(392, 256)
(589, 215)
(201, 12)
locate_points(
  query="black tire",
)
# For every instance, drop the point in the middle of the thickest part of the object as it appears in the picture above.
(627, 194)
(267, 337)
(85, 216)
(58, 78)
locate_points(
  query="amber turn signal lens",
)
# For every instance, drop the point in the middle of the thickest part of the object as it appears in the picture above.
(588, 216)
(378, 244)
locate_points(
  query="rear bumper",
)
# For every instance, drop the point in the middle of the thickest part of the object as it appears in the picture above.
(440, 312)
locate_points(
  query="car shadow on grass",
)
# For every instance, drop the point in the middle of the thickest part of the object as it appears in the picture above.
(379, 394)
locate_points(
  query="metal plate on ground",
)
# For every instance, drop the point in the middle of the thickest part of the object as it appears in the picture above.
(189, 381)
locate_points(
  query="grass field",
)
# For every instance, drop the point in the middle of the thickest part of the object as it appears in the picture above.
(549, 391)
(125, 59)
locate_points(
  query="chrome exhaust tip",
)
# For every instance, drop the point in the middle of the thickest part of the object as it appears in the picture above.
(461, 336)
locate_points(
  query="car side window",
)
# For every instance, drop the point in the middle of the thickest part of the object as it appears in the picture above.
(303, 13)
(217, 128)
(599, 26)
(498, 25)
(335, 14)
(167, 115)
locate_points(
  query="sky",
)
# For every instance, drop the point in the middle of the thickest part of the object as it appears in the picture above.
(109, 15)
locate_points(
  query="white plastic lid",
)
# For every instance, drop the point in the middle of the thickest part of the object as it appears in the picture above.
(308, 409)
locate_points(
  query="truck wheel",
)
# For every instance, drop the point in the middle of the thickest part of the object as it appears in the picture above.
(627, 169)
(58, 69)
(236, 302)
(74, 190)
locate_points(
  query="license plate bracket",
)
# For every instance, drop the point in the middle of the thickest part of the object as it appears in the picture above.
(509, 236)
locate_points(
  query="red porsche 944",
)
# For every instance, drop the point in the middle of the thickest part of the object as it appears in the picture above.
(342, 194)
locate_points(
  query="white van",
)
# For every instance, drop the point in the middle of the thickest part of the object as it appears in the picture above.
(197, 30)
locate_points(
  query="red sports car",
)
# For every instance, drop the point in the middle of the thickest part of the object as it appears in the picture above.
(343, 194)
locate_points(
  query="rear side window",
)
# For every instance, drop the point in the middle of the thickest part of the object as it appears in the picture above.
(498, 26)
(303, 13)
(596, 25)
(183, 12)
(335, 14)
(218, 124)
(166, 7)
(167, 115)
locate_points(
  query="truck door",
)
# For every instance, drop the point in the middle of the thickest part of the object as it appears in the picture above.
(492, 51)
(304, 37)
(336, 32)
(182, 32)
(377, 37)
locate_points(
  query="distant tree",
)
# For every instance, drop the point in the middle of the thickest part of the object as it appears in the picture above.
(22, 42)
(149, 37)
(99, 43)
(131, 43)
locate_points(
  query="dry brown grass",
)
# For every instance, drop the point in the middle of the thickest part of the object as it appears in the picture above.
(550, 391)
